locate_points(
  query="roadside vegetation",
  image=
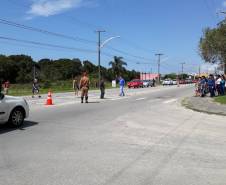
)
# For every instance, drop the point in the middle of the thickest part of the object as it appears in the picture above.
(55, 87)
(220, 99)
(212, 45)
(57, 75)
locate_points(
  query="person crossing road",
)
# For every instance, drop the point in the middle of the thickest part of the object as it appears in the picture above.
(121, 84)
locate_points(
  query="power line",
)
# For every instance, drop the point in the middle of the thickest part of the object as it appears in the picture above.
(128, 54)
(89, 25)
(10, 23)
(59, 47)
(46, 44)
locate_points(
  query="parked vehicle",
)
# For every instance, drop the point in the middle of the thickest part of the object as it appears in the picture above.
(136, 83)
(182, 82)
(13, 110)
(167, 82)
(174, 82)
(148, 83)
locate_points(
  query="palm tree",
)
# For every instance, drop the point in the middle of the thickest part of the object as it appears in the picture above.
(117, 65)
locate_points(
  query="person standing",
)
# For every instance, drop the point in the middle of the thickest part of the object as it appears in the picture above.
(203, 86)
(153, 82)
(84, 86)
(102, 89)
(223, 85)
(76, 86)
(198, 87)
(121, 84)
(218, 85)
(6, 86)
(211, 85)
(35, 88)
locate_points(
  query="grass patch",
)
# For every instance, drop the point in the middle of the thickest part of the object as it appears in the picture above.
(56, 87)
(220, 99)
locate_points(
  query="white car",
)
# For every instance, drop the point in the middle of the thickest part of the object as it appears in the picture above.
(13, 110)
(174, 82)
(167, 82)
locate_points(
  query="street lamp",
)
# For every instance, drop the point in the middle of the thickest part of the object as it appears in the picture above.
(100, 46)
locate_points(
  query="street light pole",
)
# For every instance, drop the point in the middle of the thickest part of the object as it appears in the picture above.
(159, 61)
(99, 53)
(101, 45)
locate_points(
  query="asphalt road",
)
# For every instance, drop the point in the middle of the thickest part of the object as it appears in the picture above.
(144, 139)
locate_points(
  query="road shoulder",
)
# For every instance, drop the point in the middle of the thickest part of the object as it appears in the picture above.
(205, 105)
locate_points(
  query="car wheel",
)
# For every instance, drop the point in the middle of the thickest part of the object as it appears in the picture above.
(16, 118)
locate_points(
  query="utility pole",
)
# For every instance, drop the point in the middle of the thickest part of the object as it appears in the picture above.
(99, 50)
(199, 70)
(34, 72)
(159, 61)
(182, 69)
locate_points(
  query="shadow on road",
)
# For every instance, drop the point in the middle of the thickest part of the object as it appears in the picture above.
(7, 128)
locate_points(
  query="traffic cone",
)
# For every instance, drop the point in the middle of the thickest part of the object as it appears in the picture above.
(49, 100)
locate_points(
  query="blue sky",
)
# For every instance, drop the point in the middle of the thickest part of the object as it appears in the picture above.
(145, 27)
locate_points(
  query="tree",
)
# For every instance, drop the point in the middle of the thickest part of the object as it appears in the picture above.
(24, 65)
(118, 65)
(89, 67)
(171, 76)
(212, 45)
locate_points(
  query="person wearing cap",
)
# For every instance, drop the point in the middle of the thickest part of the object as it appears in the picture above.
(84, 86)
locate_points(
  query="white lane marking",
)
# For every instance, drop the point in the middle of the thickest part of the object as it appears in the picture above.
(170, 101)
(139, 99)
(118, 98)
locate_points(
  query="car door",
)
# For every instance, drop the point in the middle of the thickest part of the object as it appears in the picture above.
(3, 108)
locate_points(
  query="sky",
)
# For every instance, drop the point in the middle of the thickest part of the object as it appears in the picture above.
(145, 27)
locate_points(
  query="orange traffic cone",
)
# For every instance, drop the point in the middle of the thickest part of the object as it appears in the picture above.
(49, 100)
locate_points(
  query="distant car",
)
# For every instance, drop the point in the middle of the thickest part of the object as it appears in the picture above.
(13, 110)
(136, 83)
(174, 82)
(148, 83)
(167, 82)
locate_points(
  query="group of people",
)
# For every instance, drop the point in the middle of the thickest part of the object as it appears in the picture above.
(214, 85)
(84, 83)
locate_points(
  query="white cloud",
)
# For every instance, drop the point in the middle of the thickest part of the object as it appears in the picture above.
(52, 7)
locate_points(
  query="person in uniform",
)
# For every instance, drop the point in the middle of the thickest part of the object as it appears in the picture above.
(84, 86)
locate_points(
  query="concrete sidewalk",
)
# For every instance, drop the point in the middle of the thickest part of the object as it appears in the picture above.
(206, 105)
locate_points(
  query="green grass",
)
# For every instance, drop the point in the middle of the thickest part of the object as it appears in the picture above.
(55, 87)
(220, 99)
